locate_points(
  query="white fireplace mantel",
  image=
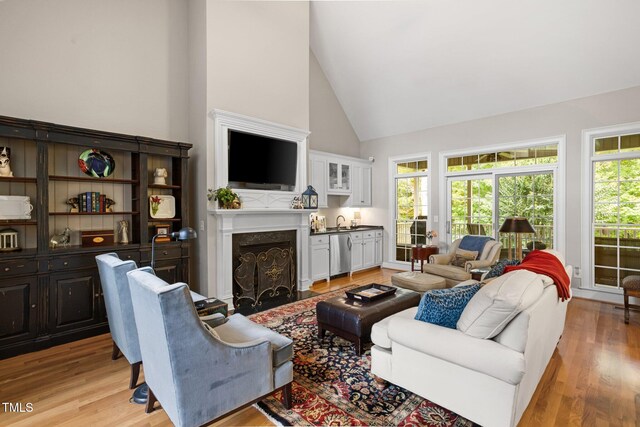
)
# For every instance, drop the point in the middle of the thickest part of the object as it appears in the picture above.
(232, 221)
(262, 210)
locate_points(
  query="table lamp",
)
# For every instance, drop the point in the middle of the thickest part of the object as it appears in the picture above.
(356, 218)
(518, 225)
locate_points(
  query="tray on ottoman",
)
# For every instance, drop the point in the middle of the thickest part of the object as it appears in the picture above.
(353, 319)
(370, 292)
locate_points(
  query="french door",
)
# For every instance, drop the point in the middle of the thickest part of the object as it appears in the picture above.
(479, 204)
(471, 206)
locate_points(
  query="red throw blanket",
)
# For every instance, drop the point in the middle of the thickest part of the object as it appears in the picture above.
(544, 263)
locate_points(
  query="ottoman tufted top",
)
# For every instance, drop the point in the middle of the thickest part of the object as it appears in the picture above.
(631, 282)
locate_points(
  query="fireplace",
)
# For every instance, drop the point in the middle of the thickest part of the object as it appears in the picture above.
(264, 270)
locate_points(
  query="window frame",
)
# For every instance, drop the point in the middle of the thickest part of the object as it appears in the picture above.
(393, 161)
(589, 157)
(558, 168)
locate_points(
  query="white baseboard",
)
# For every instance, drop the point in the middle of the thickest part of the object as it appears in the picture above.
(602, 296)
(396, 265)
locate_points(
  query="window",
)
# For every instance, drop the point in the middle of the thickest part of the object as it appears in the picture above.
(614, 243)
(487, 186)
(411, 205)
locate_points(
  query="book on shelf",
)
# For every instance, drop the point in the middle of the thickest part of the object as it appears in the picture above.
(92, 201)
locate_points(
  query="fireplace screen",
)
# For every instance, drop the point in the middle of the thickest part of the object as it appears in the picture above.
(264, 267)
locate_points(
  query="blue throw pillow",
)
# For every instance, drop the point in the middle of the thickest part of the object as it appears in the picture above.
(498, 269)
(444, 306)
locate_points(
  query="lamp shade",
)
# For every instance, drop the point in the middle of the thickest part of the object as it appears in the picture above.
(185, 233)
(310, 198)
(516, 224)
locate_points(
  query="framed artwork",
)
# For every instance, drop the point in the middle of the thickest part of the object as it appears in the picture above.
(163, 230)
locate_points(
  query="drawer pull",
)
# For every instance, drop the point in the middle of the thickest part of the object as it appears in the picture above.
(33, 306)
(128, 256)
(7, 269)
(165, 253)
(66, 263)
(97, 295)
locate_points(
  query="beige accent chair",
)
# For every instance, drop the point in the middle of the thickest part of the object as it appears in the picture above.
(440, 265)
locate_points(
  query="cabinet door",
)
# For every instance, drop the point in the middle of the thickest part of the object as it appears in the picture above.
(356, 187)
(74, 300)
(356, 256)
(378, 251)
(319, 179)
(169, 270)
(339, 177)
(18, 308)
(365, 186)
(319, 262)
(368, 253)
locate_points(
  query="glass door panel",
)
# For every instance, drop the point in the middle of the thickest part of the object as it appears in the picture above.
(411, 215)
(529, 195)
(470, 207)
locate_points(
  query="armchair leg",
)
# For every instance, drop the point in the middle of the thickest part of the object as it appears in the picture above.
(135, 372)
(150, 402)
(287, 396)
(115, 352)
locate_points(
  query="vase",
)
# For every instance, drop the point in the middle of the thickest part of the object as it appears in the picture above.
(429, 241)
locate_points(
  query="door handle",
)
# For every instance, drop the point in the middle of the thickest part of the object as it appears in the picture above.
(349, 245)
(448, 227)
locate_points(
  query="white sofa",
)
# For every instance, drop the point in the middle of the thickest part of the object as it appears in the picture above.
(488, 381)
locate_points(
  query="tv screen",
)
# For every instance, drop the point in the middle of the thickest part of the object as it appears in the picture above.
(261, 162)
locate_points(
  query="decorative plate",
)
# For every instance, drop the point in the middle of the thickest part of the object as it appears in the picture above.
(162, 206)
(96, 163)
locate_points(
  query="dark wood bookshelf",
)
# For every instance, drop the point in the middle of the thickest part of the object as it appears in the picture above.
(89, 179)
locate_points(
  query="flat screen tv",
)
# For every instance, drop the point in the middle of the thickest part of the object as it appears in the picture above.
(261, 162)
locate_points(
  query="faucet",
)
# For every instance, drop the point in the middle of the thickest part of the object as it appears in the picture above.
(337, 221)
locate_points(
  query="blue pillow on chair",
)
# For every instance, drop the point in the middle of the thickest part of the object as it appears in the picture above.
(443, 307)
(499, 267)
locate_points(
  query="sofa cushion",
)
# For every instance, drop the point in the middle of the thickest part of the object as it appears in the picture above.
(379, 331)
(447, 271)
(498, 302)
(462, 256)
(443, 306)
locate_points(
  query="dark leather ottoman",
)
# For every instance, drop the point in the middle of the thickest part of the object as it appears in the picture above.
(352, 320)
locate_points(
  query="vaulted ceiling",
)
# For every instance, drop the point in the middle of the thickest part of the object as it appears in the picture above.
(401, 66)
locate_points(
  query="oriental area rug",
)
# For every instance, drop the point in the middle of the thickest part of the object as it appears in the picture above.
(332, 386)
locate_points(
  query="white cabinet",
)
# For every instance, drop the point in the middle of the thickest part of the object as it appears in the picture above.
(339, 177)
(318, 178)
(379, 248)
(357, 259)
(319, 249)
(336, 175)
(365, 248)
(361, 185)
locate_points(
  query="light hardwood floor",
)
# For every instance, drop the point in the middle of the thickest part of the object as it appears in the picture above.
(593, 378)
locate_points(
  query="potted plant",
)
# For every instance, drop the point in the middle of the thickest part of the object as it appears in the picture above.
(227, 199)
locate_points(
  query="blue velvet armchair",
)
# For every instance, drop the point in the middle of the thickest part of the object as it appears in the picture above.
(117, 298)
(199, 374)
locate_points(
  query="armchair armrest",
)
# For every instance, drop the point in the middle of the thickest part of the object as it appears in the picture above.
(484, 356)
(442, 259)
(213, 320)
(470, 265)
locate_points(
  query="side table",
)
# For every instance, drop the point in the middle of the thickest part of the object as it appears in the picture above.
(210, 306)
(422, 253)
(477, 273)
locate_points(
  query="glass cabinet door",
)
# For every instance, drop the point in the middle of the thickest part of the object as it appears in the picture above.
(333, 176)
(346, 177)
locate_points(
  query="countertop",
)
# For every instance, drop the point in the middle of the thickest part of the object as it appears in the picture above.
(333, 230)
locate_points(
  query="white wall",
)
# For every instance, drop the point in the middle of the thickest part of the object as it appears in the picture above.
(257, 64)
(568, 118)
(330, 128)
(116, 65)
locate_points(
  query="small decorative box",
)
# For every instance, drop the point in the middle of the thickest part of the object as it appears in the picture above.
(97, 237)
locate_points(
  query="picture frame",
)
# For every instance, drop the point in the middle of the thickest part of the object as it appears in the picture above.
(163, 230)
